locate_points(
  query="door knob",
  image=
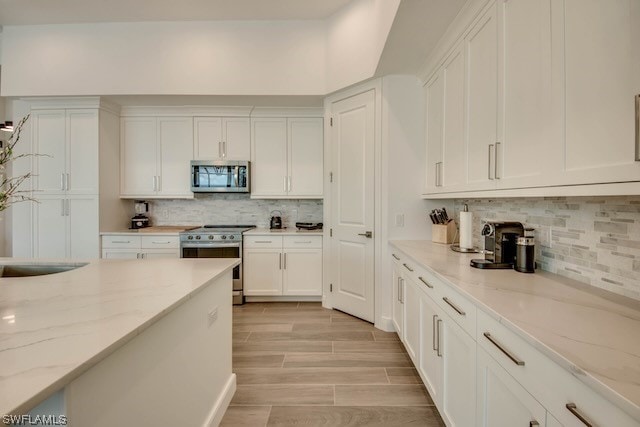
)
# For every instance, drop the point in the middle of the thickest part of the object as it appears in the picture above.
(367, 234)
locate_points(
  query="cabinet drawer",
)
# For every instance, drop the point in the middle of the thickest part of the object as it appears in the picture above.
(552, 385)
(461, 310)
(263, 242)
(168, 241)
(123, 241)
(311, 242)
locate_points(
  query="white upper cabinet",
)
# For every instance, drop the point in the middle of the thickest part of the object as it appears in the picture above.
(481, 47)
(524, 101)
(434, 101)
(602, 76)
(66, 142)
(222, 138)
(155, 156)
(287, 157)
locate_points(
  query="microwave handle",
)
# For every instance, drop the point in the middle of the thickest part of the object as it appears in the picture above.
(236, 176)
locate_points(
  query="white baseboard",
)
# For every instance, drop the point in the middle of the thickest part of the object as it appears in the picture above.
(222, 403)
(283, 299)
(385, 324)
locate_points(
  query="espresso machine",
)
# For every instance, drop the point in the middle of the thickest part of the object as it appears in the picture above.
(500, 244)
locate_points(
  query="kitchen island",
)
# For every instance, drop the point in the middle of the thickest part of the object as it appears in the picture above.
(145, 342)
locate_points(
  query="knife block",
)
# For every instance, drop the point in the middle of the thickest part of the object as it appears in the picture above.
(444, 233)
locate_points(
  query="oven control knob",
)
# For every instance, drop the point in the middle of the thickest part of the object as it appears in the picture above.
(231, 237)
(198, 237)
(224, 237)
(190, 237)
(211, 237)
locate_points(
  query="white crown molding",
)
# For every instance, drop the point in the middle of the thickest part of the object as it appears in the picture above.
(456, 31)
(186, 111)
(287, 112)
(46, 103)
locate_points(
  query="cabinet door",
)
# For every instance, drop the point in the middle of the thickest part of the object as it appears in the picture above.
(411, 296)
(481, 46)
(453, 169)
(524, 141)
(501, 400)
(50, 228)
(430, 364)
(397, 308)
(262, 270)
(434, 101)
(120, 254)
(269, 157)
(302, 272)
(49, 142)
(602, 76)
(305, 153)
(138, 143)
(84, 227)
(82, 153)
(159, 254)
(458, 350)
(176, 153)
(236, 138)
(207, 133)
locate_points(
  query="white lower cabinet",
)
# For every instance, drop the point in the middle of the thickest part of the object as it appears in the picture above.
(132, 246)
(411, 302)
(66, 227)
(282, 265)
(397, 308)
(501, 400)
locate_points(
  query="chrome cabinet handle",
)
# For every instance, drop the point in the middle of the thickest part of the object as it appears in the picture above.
(506, 352)
(425, 282)
(398, 289)
(573, 408)
(289, 183)
(305, 242)
(263, 241)
(495, 162)
(224, 149)
(122, 241)
(159, 184)
(408, 268)
(637, 128)
(285, 260)
(62, 181)
(395, 256)
(433, 330)
(489, 161)
(160, 243)
(437, 174)
(280, 261)
(66, 182)
(455, 307)
(367, 234)
(438, 352)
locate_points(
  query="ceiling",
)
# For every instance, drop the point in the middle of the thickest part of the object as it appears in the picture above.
(31, 12)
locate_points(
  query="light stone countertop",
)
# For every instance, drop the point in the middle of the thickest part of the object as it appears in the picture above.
(55, 327)
(162, 230)
(596, 338)
(282, 232)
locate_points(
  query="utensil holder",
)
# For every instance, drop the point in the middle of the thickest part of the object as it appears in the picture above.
(444, 233)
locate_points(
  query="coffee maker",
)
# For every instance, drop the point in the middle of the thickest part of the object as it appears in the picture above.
(500, 244)
(140, 220)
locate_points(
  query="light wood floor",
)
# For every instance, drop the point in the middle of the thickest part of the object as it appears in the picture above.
(298, 364)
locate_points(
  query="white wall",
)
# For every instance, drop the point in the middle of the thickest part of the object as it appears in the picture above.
(3, 137)
(220, 58)
(356, 36)
(198, 58)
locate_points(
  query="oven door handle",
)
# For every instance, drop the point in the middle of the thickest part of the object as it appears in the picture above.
(210, 245)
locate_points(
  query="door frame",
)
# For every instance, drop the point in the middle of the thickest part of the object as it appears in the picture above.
(327, 297)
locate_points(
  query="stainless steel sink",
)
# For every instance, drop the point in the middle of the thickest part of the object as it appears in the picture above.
(29, 270)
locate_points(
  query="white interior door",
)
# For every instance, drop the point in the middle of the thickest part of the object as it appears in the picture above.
(352, 205)
(82, 134)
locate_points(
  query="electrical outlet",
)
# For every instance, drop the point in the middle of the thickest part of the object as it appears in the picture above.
(213, 315)
(399, 220)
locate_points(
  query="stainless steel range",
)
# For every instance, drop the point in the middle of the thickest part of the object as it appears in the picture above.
(217, 241)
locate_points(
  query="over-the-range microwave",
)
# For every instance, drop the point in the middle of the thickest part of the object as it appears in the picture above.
(219, 176)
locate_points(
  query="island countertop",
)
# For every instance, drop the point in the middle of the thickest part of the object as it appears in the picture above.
(575, 325)
(55, 327)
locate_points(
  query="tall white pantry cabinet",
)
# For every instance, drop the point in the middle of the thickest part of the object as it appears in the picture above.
(74, 178)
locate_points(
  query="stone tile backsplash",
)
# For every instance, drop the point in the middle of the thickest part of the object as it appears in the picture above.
(595, 240)
(231, 209)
